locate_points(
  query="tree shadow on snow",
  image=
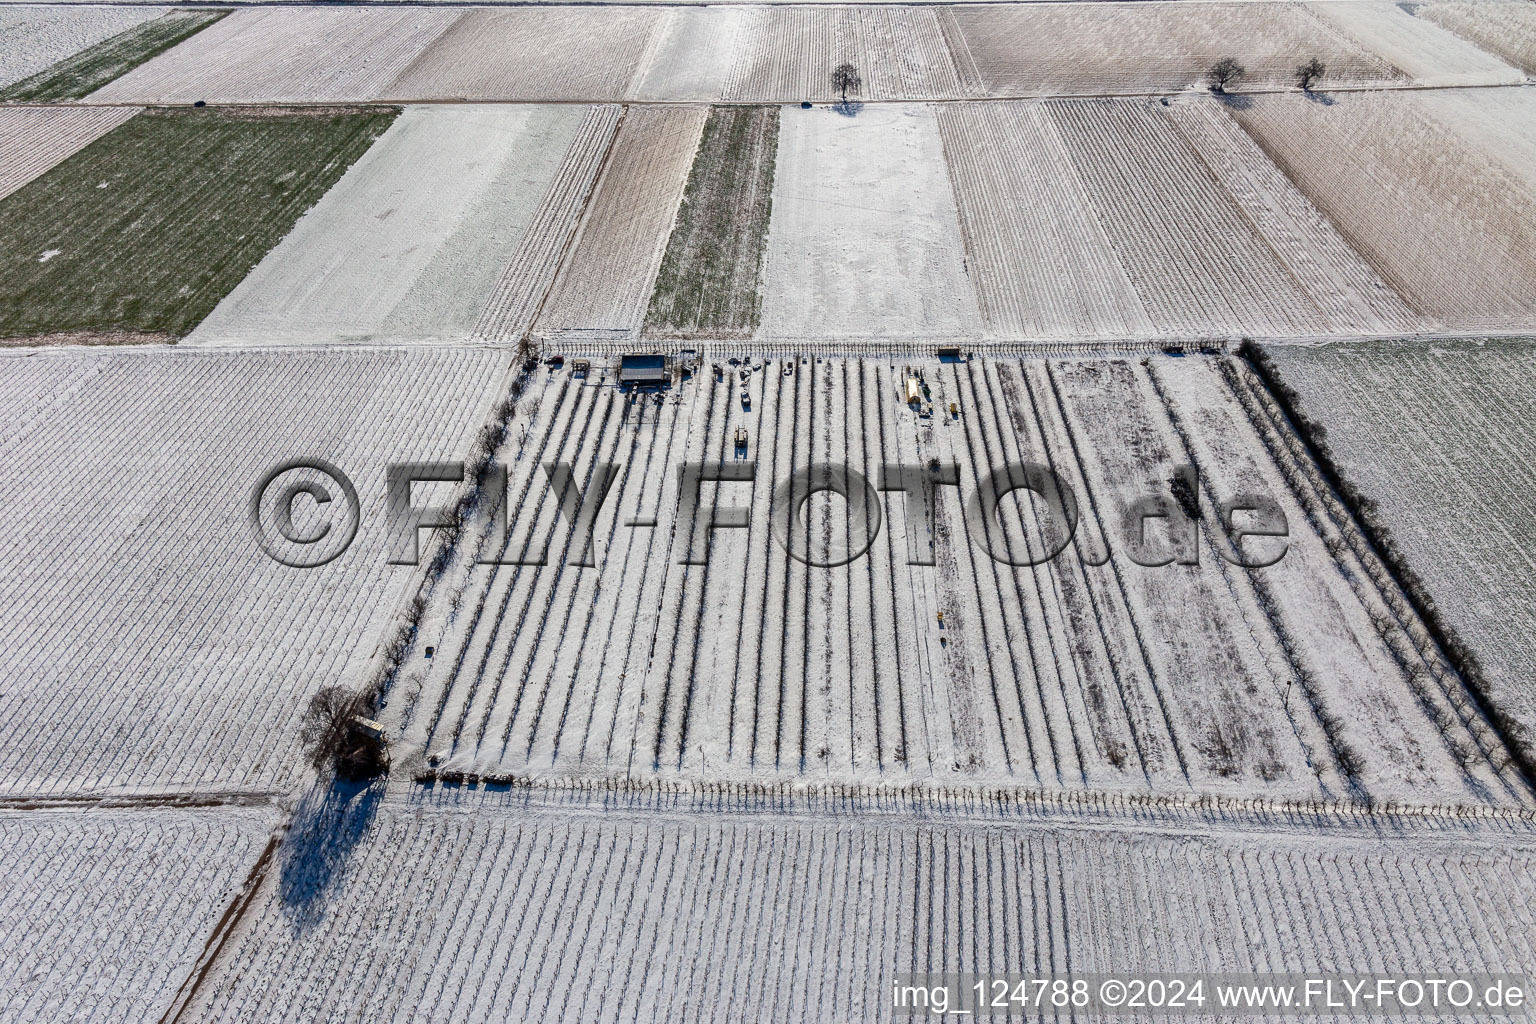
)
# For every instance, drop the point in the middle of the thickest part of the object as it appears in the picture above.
(1235, 100)
(328, 825)
(848, 108)
(1321, 98)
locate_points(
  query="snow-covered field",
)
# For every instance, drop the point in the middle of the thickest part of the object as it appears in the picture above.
(411, 243)
(34, 140)
(1504, 27)
(1072, 49)
(1419, 47)
(787, 53)
(496, 910)
(532, 54)
(1443, 222)
(34, 37)
(746, 757)
(1300, 681)
(150, 644)
(295, 54)
(604, 288)
(105, 912)
(1436, 433)
(1145, 219)
(864, 239)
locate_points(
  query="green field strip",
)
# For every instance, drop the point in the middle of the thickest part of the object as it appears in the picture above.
(708, 284)
(146, 229)
(78, 76)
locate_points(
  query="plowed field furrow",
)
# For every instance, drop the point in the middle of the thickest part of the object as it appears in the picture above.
(527, 54)
(34, 140)
(749, 665)
(1066, 49)
(171, 680)
(129, 947)
(1504, 27)
(525, 282)
(1197, 263)
(292, 55)
(606, 285)
(1041, 263)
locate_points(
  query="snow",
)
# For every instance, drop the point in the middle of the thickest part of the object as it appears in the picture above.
(34, 140)
(491, 906)
(753, 667)
(152, 647)
(105, 912)
(33, 38)
(1429, 54)
(1426, 430)
(864, 240)
(409, 245)
(293, 54)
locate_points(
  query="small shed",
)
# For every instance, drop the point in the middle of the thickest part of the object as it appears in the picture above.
(643, 369)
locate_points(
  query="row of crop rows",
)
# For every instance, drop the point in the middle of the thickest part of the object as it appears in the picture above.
(1150, 220)
(516, 915)
(747, 663)
(305, 54)
(1021, 51)
(1352, 629)
(787, 54)
(773, 54)
(102, 913)
(153, 644)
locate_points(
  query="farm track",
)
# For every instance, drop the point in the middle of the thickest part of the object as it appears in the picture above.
(740, 787)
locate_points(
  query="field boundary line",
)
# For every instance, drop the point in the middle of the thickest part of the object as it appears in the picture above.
(450, 101)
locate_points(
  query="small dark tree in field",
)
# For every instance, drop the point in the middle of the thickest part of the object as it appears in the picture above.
(845, 77)
(1226, 72)
(334, 731)
(1310, 73)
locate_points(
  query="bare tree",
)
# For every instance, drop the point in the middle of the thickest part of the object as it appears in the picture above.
(845, 77)
(1225, 72)
(1310, 73)
(339, 736)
